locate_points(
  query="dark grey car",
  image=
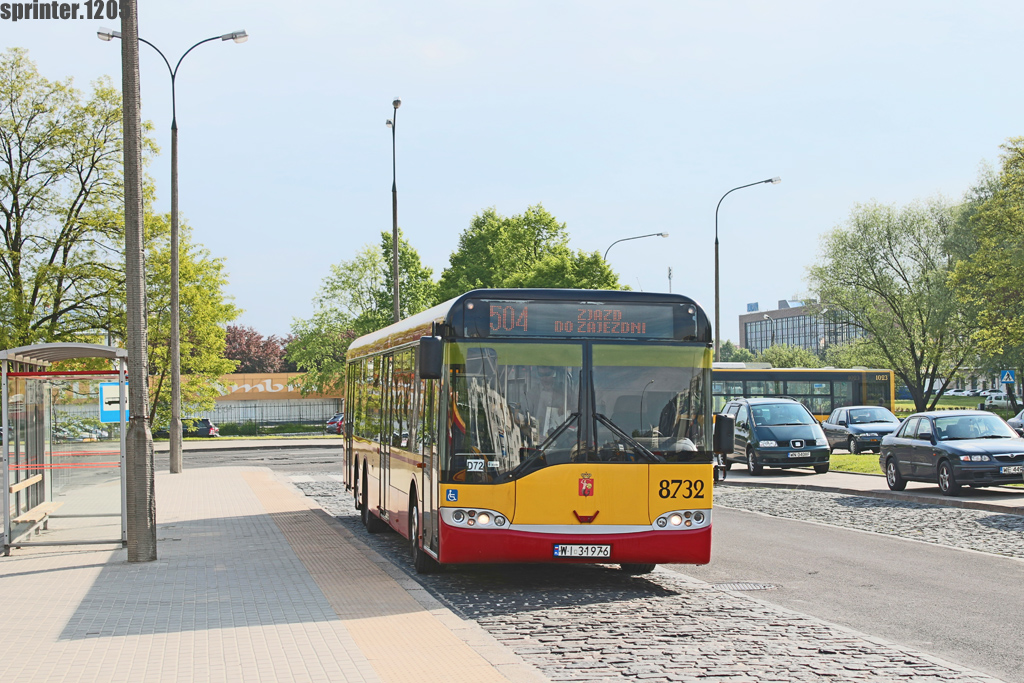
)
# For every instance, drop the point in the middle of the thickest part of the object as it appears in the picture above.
(859, 428)
(953, 448)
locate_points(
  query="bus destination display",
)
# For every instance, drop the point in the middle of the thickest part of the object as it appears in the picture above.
(560, 318)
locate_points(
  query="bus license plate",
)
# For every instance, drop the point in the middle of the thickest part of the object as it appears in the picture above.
(1012, 469)
(800, 454)
(574, 550)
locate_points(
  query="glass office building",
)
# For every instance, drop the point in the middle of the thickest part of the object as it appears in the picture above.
(795, 324)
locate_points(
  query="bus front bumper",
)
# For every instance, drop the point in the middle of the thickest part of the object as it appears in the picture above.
(480, 546)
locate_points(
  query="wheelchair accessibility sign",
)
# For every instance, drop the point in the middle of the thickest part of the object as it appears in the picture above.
(451, 495)
(1007, 377)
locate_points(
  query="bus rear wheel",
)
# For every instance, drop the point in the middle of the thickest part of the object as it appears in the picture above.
(421, 562)
(637, 569)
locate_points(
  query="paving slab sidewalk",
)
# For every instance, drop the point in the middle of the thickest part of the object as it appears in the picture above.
(253, 582)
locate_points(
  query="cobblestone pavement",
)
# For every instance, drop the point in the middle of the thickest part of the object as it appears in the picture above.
(584, 623)
(987, 532)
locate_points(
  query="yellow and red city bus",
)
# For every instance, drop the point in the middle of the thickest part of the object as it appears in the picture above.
(537, 425)
(822, 390)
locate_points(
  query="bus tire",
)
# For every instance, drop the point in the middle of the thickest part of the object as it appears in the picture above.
(421, 562)
(752, 467)
(372, 522)
(637, 569)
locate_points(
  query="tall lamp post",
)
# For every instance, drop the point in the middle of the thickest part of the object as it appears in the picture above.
(392, 124)
(772, 321)
(774, 181)
(175, 345)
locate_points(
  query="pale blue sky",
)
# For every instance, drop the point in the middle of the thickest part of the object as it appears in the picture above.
(621, 118)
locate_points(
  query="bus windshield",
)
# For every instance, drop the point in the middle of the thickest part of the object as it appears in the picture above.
(655, 394)
(509, 402)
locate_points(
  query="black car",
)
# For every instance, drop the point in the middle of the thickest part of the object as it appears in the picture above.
(199, 427)
(859, 428)
(953, 448)
(776, 432)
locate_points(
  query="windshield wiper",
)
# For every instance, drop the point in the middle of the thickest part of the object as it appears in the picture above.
(995, 436)
(558, 431)
(630, 440)
(788, 424)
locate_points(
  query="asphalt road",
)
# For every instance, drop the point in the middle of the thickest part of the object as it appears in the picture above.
(963, 606)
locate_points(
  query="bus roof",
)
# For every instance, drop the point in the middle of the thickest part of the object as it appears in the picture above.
(412, 328)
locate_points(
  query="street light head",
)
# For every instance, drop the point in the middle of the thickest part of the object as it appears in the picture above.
(397, 103)
(662, 234)
(107, 34)
(237, 36)
(390, 123)
(767, 317)
(776, 180)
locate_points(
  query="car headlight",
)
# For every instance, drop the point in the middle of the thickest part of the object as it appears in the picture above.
(974, 458)
(767, 444)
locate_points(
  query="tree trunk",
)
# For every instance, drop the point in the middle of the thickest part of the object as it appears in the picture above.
(139, 440)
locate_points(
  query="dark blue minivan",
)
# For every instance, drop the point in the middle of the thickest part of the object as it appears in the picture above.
(776, 432)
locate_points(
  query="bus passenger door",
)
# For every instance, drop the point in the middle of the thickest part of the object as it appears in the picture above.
(387, 428)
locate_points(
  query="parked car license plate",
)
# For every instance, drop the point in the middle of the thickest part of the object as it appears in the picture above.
(800, 454)
(577, 550)
(1012, 469)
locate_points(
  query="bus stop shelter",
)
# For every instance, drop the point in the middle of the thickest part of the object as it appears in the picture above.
(63, 469)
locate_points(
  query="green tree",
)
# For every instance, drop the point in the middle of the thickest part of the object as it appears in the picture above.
(355, 299)
(417, 289)
(785, 356)
(526, 250)
(859, 352)
(205, 312)
(888, 269)
(988, 281)
(61, 162)
(731, 353)
(563, 268)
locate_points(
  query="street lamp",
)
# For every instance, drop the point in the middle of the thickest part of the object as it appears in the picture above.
(772, 321)
(774, 181)
(626, 239)
(392, 123)
(107, 34)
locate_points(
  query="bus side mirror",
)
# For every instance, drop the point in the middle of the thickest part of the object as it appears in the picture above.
(431, 357)
(725, 433)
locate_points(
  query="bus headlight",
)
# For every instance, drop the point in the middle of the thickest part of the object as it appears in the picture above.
(475, 519)
(682, 519)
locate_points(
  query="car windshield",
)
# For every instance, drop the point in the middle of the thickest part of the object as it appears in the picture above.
(776, 414)
(972, 427)
(653, 394)
(869, 415)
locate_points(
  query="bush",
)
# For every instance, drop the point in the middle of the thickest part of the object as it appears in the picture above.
(238, 429)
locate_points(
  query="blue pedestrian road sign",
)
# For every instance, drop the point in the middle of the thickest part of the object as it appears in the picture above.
(110, 402)
(1006, 376)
